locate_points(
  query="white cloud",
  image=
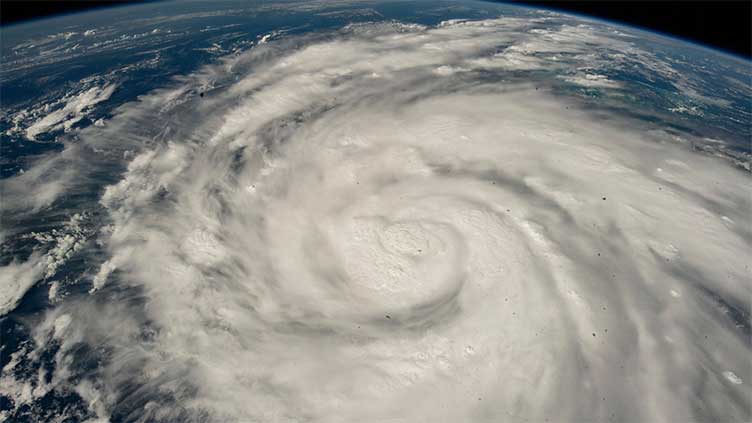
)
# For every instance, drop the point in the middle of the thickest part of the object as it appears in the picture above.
(330, 234)
(17, 278)
(590, 80)
(73, 111)
(65, 242)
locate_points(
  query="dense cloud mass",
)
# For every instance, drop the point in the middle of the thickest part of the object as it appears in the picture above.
(388, 223)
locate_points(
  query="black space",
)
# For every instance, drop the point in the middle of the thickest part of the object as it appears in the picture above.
(14, 11)
(721, 24)
(726, 25)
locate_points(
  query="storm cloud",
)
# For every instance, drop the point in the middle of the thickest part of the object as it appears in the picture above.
(390, 223)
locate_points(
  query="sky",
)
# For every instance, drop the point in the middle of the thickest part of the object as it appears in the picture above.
(721, 24)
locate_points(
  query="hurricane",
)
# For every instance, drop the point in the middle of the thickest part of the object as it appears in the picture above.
(388, 222)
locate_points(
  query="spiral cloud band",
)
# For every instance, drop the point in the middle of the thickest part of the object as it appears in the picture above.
(398, 223)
